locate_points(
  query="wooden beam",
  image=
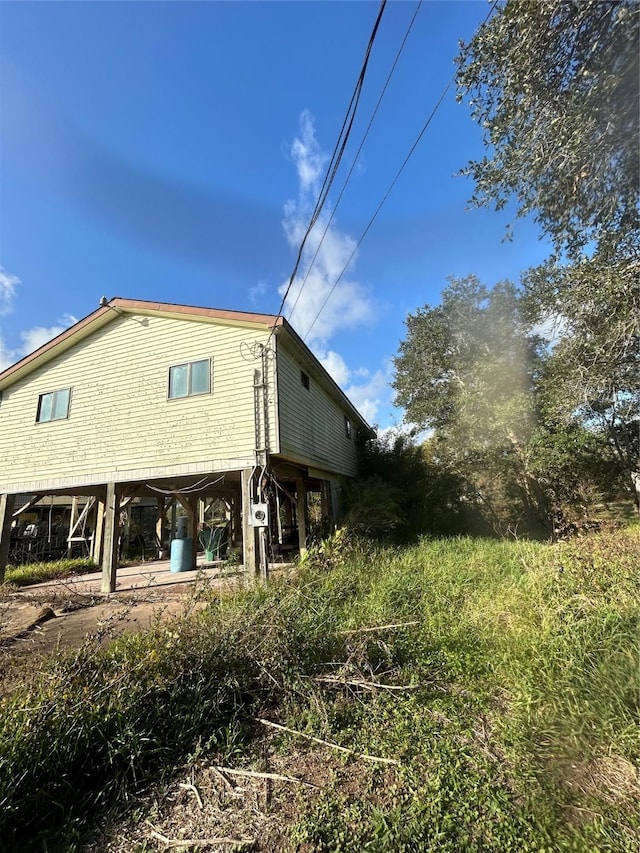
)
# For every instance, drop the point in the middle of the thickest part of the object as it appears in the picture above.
(301, 512)
(248, 531)
(111, 534)
(193, 530)
(34, 500)
(7, 503)
(160, 524)
(72, 524)
(98, 531)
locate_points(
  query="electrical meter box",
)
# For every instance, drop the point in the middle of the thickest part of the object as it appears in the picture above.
(260, 515)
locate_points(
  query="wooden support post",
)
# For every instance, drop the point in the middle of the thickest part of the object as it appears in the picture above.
(263, 553)
(125, 530)
(7, 503)
(160, 524)
(301, 512)
(111, 534)
(98, 532)
(236, 519)
(72, 523)
(174, 515)
(193, 530)
(248, 531)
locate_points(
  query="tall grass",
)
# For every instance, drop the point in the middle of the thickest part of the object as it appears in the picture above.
(520, 713)
(31, 573)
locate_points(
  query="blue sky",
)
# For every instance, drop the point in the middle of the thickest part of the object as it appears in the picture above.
(173, 151)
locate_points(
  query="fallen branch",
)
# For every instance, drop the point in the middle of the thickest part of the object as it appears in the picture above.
(196, 842)
(227, 783)
(380, 627)
(189, 787)
(367, 685)
(256, 775)
(362, 755)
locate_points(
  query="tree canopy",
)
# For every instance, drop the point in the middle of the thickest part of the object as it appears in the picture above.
(530, 434)
(532, 393)
(555, 89)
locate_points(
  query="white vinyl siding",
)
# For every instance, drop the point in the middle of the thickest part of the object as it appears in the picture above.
(122, 419)
(312, 421)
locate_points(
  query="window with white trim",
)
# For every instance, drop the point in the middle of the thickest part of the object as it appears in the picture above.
(190, 379)
(53, 406)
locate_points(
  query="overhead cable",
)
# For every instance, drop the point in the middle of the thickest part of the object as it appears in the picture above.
(357, 155)
(338, 152)
(391, 186)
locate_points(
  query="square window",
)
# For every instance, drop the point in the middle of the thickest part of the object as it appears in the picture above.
(53, 406)
(187, 380)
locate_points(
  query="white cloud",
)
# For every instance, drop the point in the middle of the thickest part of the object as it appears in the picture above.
(8, 284)
(34, 338)
(257, 292)
(335, 366)
(30, 339)
(313, 306)
(310, 160)
(7, 356)
(369, 396)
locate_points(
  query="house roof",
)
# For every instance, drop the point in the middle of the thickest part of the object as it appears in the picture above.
(118, 306)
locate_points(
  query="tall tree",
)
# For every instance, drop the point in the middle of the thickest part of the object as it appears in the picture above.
(555, 89)
(466, 370)
(592, 371)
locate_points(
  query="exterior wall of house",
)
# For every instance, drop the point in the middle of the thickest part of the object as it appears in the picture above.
(121, 424)
(312, 421)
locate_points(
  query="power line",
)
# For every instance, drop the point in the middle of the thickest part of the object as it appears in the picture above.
(338, 152)
(357, 155)
(392, 185)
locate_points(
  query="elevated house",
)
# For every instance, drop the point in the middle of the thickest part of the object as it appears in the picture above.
(182, 405)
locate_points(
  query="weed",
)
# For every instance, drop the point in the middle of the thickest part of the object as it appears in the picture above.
(501, 676)
(39, 572)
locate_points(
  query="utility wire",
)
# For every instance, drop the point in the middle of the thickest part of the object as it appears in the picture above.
(355, 160)
(392, 185)
(338, 152)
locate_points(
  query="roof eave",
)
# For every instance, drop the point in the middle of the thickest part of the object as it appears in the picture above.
(119, 306)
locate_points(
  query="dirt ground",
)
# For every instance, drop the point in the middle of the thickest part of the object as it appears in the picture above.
(207, 807)
(38, 620)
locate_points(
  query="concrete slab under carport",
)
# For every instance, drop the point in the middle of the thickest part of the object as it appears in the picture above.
(143, 577)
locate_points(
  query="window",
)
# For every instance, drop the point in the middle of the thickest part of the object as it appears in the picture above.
(186, 380)
(304, 378)
(53, 406)
(347, 427)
